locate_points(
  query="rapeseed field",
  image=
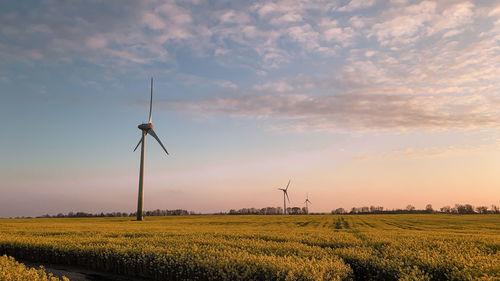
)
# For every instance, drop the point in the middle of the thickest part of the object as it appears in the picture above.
(302, 247)
(11, 270)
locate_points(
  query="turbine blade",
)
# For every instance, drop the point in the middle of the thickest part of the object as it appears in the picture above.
(137, 145)
(286, 193)
(287, 184)
(152, 133)
(151, 101)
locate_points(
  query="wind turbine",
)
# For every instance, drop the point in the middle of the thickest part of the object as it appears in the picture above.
(285, 193)
(307, 201)
(146, 128)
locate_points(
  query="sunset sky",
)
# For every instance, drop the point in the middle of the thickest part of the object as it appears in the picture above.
(361, 102)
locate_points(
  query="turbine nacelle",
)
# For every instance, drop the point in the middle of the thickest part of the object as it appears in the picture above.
(146, 126)
(307, 199)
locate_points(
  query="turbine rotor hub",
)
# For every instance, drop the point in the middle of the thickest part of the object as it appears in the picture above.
(145, 126)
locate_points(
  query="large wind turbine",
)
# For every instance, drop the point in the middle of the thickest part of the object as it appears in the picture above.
(285, 193)
(146, 128)
(307, 201)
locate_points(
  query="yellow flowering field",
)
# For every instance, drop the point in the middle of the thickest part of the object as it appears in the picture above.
(11, 270)
(302, 247)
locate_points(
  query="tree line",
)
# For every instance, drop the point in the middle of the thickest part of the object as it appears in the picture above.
(268, 211)
(410, 209)
(157, 212)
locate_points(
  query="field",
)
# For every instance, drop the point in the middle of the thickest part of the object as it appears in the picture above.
(10, 269)
(313, 247)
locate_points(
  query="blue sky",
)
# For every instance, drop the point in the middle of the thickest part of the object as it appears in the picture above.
(359, 102)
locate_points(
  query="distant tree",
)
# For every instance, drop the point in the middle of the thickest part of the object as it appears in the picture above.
(464, 209)
(305, 210)
(296, 211)
(482, 209)
(495, 209)
(269, 211)
(410, 208)
(428, 208)
(354, 210)
(376, 209)
(339, 211)
(445, 209)
(365, 209)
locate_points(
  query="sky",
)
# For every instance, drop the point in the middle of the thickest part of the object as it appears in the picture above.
(359, 103)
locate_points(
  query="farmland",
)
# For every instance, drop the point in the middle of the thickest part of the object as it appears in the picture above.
(10, 269)
(308, 247)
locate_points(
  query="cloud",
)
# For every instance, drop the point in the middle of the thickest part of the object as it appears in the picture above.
(443, 85)
(305, 35)
(99, 33)
(396, 40)
(232, 16)
(406, 25)
(494, 12)
(446, 83)
(287, 18)
(428, 152)
(264, 34)
(348, 111)
(409, 24)
(226, 84)
(357, 22)
(280, 86)
(331, 31)
(455, 16)
(96, 42)
(356, 4)
(452, 33)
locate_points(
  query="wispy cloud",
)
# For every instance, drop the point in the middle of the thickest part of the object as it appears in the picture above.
(396, 64)
(269, 34)
(349, 111)
(356, 4)
(280, 86)
(225, 84)
(427, 152)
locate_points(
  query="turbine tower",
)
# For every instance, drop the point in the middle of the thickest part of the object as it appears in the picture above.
(285, 194)
(307, 202)
(146, 128)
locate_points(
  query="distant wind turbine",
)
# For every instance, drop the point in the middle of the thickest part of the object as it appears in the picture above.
(146, 128)
(285, 193)
(307, 202)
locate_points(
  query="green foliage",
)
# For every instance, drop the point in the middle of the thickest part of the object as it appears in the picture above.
(309, 247)
(11, 270)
